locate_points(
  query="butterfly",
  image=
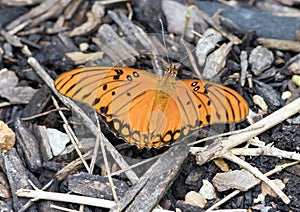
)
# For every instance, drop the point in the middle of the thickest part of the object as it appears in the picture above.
(149, 111)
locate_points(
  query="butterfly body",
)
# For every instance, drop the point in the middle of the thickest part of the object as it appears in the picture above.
(149, 111)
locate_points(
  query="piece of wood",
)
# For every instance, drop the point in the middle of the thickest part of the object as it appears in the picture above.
(147, 192)
(285, 45)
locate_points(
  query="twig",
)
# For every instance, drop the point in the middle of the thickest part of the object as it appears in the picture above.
(71, 135)
(4, 104)
(107, 169)
(30, 202)
(268, 151)
(86, 120)
(44, 114)
(95, 152)
(70, 198)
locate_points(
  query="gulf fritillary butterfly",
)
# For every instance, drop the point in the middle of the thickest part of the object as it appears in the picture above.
(150, 111)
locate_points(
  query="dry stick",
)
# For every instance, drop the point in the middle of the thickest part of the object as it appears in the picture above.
(38, 194)
(266, 151)
(86, 120)
(236, 192)
(44, 114)
(69, 168)
(31, 201)
(71, 135)
(112, 185)
(95, 152)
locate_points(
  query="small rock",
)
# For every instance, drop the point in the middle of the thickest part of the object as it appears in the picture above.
(296, 120)
(294, 68)
(238, 179)
(7, 137)
(285, 95)
(258, 100)
(208, 190)
(57, 140)
(296, 80)
(195, 199)
(83, 46)
(260, 59)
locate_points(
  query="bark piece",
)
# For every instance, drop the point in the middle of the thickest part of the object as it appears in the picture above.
(146, 193)
(18, 95)
(29, 146)
(176, 23)
(95, 186)
(116, 48)
(7, 79)
(285, 45)
(17, 176)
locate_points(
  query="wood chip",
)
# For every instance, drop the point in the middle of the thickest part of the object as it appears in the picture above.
(7, 137)
(18, 95)
(258, 100)
(7, 79)
(95, 186)
(116, 48)
(81, 58)
(285, 45)
(195, 199)
(176, 23)
(146, 193)
(238, 179)
(216, 61)
(206, 44)
(29, 146)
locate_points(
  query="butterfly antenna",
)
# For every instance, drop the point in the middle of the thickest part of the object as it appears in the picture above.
(194, 49)
(164, 39)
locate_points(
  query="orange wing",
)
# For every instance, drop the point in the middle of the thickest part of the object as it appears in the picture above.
(203, 103)
(127, 99)
(146, 110)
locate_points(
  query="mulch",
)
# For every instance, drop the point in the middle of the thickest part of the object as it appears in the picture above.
(249, 46)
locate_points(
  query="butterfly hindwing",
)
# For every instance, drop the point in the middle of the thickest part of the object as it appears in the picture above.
(210, 103)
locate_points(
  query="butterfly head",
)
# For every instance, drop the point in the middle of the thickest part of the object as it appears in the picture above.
(172, 71)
